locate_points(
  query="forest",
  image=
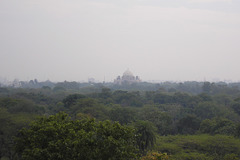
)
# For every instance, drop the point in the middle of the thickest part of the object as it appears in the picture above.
(146, 121)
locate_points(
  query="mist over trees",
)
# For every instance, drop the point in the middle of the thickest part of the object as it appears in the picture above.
(192, 87)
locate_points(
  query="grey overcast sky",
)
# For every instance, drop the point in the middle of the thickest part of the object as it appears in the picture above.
(74, 40)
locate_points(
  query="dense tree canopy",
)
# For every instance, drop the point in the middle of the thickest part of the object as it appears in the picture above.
(98, 111)
(58, 137)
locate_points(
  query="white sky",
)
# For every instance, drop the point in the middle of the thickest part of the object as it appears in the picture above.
(156, 39)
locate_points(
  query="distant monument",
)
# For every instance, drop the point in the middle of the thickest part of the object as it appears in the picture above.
(127, 78)
(91, 80)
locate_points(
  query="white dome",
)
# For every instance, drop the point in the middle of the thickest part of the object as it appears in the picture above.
(128, 73)
(127, 78)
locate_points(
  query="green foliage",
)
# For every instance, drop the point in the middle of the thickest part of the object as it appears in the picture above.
(146, 135)
(237, 132)
(9, 125)
(184, 99)
(122, 115)
(59, 137)
(162, 98)
(67, 85)
(206, 87)
(223, 99)
(38, 97)
(106, 93)
(188, 124)
(218, 126)
(155, 156)
(127, 98)
(208, 110)
(159, 111)
(192, 156)
(231, 156)
(20, 105)
(205, 97)
(58, 89)
(160, 119)
(91, 107)
(72, 99)
(4, 91)
(199, 147)
(236, 107)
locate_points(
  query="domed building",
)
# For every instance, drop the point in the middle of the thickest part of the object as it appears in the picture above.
(127, 78)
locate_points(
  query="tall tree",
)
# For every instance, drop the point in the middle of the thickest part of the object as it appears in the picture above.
(146, 135)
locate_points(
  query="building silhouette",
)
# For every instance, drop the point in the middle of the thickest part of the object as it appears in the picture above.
(127, 78)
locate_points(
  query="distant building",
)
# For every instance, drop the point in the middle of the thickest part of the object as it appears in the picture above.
(91, 80)
(16, 83)
(127, 78)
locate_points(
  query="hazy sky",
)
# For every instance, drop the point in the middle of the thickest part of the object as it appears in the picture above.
(156, 39)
